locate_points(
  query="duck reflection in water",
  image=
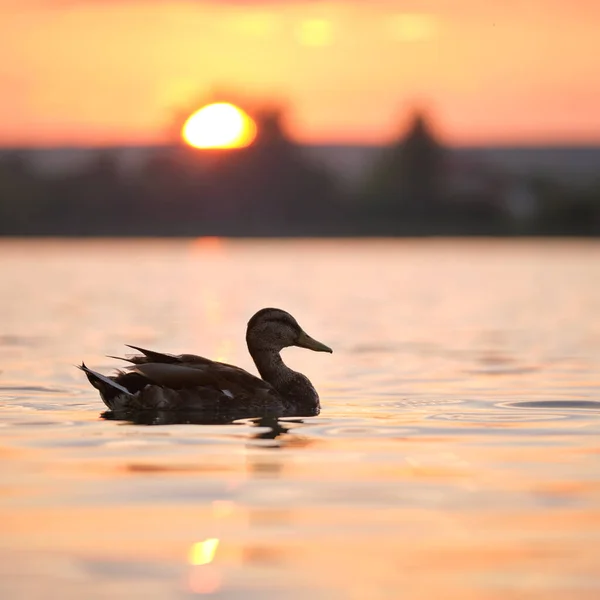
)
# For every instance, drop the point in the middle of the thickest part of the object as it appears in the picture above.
(274, 428)
(162, 388)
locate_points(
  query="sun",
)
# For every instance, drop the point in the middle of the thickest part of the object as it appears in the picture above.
(219, 125)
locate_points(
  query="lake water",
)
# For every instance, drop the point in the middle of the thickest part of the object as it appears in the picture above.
(457, 454)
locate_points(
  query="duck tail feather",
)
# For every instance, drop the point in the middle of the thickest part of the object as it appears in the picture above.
(153, 355)
(119, 358)
(100, 382)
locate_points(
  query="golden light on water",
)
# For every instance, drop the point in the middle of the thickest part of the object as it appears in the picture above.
(223, 508)
(203, 553)
(204, 581)
(219, 125)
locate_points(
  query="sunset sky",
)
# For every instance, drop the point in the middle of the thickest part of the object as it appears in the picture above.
(116, 72)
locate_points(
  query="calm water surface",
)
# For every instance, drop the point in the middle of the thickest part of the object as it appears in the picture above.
(457, 454)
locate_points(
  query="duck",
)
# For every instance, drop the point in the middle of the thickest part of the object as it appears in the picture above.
(159, 382)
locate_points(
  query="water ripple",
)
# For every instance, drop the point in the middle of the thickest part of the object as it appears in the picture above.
(503, 369)
(36, 388)
(358, 431)
(422, 402)
(491, 416)
(556, 404)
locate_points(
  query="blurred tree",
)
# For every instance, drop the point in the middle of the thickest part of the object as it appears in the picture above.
(96, 200)
(20, 196)
(567, 210)
(171, 195)
(408, 180)
(271, 186)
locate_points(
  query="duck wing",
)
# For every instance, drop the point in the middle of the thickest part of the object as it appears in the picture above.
(215, 389)
(156, 380)
(231, 381)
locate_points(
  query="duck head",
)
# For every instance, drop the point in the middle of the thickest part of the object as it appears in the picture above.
(273, 329)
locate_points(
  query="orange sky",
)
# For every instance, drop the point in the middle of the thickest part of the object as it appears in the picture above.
(108, 71)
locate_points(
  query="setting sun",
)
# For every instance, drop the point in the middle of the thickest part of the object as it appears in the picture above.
(220, 125)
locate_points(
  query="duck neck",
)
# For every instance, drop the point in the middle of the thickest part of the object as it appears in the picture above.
(271, 366)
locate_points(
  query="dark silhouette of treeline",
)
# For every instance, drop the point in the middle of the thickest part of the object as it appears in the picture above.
(271, 188)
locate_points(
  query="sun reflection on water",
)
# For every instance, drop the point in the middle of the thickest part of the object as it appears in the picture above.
(203, 553)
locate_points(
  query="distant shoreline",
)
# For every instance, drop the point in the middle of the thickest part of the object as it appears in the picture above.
(349, 163)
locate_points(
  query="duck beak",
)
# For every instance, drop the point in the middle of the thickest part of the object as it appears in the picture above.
(305, 341)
